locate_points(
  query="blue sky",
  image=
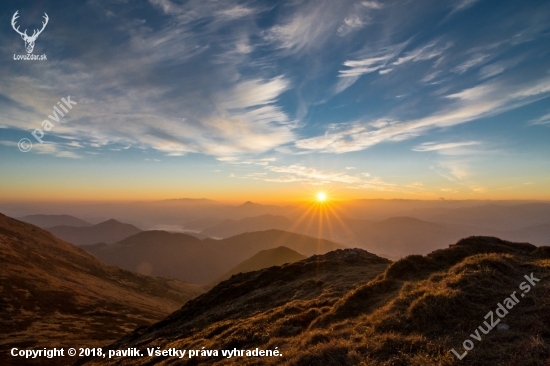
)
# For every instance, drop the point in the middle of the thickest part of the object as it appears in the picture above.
(419, 99)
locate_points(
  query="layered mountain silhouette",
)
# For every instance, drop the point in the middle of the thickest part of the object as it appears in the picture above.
(536, 234)
(350, 307)
(264, 259)
(230, 227)
(190, 259)
(401, 236)
(54, 294)
(45, 221)
(110, 231)
(394, 237)
(495, 216)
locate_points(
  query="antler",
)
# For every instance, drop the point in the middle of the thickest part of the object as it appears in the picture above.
(35, 35)
(15, 16)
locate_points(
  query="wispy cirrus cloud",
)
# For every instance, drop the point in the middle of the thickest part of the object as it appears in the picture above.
(309, 27)
(384, 60)
(543, 120)
(453, 170)
(468, 105)
(474, 61)
(447, 148)
(60, 150)
(126, 99)
(369, 61)
(361, 14)
(427, 52)
(300, 173)
(463, 4)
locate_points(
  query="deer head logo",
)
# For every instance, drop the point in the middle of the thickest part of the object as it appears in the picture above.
(29, 41)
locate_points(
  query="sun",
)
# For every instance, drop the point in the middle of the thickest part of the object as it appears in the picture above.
(321, 196)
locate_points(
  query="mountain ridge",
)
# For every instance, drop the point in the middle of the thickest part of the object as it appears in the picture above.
(193, 260)
(350, 307)
(109, 231)
(45, 221)
(263, 259)
(55, 294)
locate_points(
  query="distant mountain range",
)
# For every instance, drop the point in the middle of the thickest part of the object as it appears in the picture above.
(395, 236)
(190, 259)
(231, 227)
(350, 307)
(492, 216)
(54, 294)
(108, 232)
(45, 221)
(201, 214)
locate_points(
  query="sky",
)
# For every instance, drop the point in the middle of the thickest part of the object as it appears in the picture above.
(273, 101)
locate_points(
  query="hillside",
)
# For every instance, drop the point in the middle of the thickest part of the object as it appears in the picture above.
(264, 259)
(187, 258)
(230, 227)
(350, 307)
(108, 232)
(45, 221)
(55, 294)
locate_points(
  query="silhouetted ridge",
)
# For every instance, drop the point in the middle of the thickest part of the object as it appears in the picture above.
(349, 307)
(264, 259)
(109, 232)
(45, 221)
(187, 258)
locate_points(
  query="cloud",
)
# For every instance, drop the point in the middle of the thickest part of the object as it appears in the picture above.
(48, 148)
(254, 92)
(448, 148)
(308, 27)
(474, 61)
(470, 104)
(453, 170)
(372, 61)
(163, 89)
(236, 12)
(359, 16)
(427, 52)
(463, 4)
(314, 175)
(299, 173)
(385, 60)
(543, 120)
(369, 61)
(372, 5)
(351, 23)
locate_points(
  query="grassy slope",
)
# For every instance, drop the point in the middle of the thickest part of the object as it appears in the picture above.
(264, 259)
(351, 308)
(54, 294)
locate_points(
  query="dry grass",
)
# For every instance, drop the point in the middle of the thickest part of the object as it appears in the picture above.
(54, 294)
(352, 308)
